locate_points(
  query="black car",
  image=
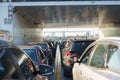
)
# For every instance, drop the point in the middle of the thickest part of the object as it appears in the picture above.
(16, 65)
(71, 52)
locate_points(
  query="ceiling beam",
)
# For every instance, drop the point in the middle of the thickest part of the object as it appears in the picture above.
(62, 3)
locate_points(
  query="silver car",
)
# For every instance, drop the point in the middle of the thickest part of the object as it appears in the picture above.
(100, 61)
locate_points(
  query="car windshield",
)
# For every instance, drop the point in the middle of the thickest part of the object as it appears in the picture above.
(32, 53)
(79, 46)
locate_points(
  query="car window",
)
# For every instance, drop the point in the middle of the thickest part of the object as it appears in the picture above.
(7, 68)
(32, 53)
(114, 58)
(87, 55)
(98, 58)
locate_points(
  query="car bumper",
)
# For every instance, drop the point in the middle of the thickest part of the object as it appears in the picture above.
(68, 70)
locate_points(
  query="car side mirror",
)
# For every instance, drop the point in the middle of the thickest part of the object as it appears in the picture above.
(46, 70)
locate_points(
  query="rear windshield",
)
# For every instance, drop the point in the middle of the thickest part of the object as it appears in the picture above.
(79, 46)
(31, 53)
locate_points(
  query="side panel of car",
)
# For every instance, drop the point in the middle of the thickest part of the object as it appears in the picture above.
(81, 71)
(90, 73)
(77, 69)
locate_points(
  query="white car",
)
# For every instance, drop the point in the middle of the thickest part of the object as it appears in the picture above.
(100, 61)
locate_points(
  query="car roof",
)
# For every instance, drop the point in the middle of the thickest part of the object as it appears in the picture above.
(26, 47)
(110, 39)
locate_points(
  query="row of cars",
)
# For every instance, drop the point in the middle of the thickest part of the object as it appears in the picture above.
(99, 61)
(20, 63)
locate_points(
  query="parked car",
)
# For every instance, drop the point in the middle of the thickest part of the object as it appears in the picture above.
(72, 51)
(45, 47)
(100, 61)
(16, 65)
(36, 54)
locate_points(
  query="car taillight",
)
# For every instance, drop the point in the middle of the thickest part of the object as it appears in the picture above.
(71, 54)
(68, 53)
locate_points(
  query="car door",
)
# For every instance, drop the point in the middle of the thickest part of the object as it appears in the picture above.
(97, 62)
(8, 69)
(80, 69)
(93, 61)
(24, 63)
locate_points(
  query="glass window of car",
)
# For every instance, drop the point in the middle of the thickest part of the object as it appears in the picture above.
(32, 53)
(98, 57)
(7, 68)
(86, 57)
(114, 58)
